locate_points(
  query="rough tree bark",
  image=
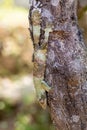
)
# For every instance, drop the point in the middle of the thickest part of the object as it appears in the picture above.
(66, 64)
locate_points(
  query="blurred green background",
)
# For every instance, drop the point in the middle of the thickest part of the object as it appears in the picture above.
(18, 107)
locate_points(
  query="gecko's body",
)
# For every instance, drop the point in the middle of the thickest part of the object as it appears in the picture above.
(40, 50)
(38, 73)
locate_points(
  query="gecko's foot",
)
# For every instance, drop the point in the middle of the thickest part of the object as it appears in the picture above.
(45, 86)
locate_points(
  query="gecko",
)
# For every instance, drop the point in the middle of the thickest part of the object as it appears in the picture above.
(40, 52)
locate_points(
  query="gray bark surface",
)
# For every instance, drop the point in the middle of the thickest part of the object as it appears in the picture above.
(66, 64)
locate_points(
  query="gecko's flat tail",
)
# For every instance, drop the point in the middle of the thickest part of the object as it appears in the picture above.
(43, 103)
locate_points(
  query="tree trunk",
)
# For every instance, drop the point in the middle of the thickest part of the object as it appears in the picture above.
(66, 70)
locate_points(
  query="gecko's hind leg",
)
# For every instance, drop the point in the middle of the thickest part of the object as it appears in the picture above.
(45, 86)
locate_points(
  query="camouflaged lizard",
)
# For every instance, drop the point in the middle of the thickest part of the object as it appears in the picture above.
(40, 51)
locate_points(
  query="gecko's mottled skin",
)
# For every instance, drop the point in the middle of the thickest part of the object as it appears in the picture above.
(38, 73)
(40, 49)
